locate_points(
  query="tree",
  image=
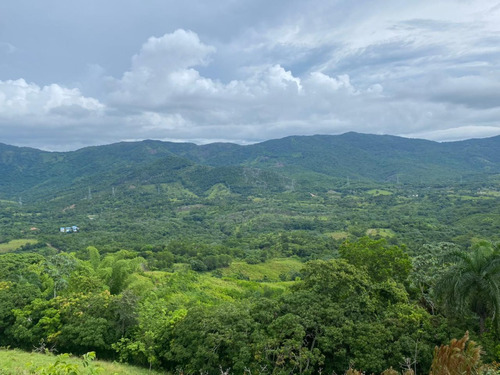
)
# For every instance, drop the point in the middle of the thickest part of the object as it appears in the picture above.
(13, 296)
(211, 338)
(379, 259)
(344, 317)
(60, 267)
(472, 284)
(429, 264)
(94, 257)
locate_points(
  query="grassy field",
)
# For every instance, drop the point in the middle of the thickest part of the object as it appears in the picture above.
(382, 232)
(376, 192)
(340, 235)
(7, 201)
(17, 362)
(15, 244)
(268, 271)
(492, 193)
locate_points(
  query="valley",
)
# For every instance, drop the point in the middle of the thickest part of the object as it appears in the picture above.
(289, 255)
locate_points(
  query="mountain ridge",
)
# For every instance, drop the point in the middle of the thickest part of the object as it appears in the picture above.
(304, 159)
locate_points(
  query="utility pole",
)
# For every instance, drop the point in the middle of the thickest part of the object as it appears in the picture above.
(90, 194)
(113, 191)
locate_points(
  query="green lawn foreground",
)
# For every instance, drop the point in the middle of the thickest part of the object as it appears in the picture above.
(17, 362)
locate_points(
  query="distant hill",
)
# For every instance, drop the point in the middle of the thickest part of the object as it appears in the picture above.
(373, 157)
(281, 164)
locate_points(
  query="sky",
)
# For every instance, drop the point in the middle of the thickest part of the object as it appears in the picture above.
(79, 73)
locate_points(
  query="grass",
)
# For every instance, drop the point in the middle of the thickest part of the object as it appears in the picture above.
(190, 287)
(269, 271)
(17, 362)
(7, 201)
(464, 197)
(185, 288)
(492, 193)
(218, 191)
(15, 244)
(340, 235)
(382, 232)
(376, 192)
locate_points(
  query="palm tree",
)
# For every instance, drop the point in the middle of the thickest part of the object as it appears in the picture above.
(472, 283)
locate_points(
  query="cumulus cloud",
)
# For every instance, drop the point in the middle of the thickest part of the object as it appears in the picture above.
(268, 101)
(31, 113)
(162, 71)
(19, 99)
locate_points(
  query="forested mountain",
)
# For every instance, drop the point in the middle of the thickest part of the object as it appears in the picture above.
(277, 165)
(367, 156)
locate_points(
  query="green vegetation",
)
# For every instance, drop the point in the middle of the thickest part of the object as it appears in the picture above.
(272, 270)
(381, 232)
(16, 244)
(376, 192)
(17, 362)
(280, 256)
(472, 283)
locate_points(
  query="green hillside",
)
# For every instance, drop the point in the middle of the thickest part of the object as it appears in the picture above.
(374, 157)
(299, 162)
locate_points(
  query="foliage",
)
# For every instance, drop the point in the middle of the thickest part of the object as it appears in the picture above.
(16, 362)
(62, 367)
(380, 260)
(461, 357)
(472, 284)
(349, 320)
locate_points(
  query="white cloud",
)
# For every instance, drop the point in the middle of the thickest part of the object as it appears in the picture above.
(342, 82)
(51, 117)
(162, 71)
(19, 99)
(268, 101)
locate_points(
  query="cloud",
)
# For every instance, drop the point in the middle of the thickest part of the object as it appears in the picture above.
(178, 102)
(45, 116)
(162, 71)
(458, 133)
(423, 69)
(473, 91)
(19, 99)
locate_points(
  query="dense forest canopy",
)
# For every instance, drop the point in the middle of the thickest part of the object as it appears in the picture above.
(288, 256)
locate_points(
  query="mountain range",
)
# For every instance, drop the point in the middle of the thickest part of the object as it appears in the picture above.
(295, 162)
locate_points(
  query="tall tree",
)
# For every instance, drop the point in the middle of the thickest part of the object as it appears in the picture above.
(380, 260)
(472, 284)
